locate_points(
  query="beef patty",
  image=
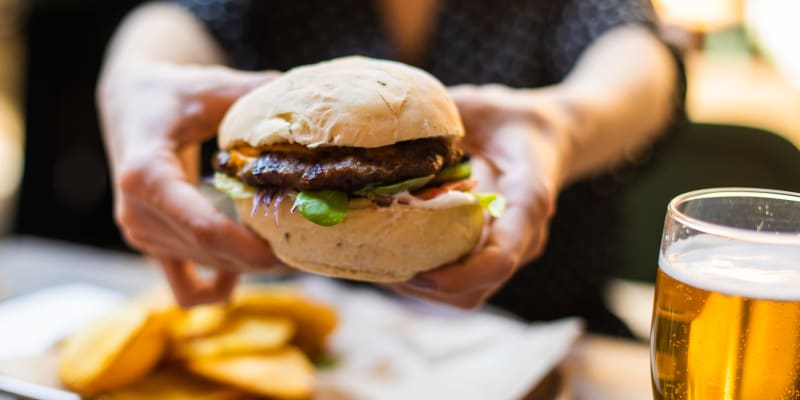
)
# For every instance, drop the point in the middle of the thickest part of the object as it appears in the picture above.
(337, 168)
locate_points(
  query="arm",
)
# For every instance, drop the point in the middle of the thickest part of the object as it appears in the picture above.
(160, 96)
(165, 33)
(529, 143)
(619, 96)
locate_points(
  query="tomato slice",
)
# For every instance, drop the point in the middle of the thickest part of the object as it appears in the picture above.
(463, 185)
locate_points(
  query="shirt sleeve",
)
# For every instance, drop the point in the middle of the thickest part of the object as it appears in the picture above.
(578, 23)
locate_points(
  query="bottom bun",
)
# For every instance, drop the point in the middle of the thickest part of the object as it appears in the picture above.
(375, 244)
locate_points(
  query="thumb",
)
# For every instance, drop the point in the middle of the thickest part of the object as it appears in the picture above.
(207, 103)
(226, 85)
(190, 289)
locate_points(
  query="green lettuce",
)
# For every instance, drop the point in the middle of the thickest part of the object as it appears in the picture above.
(454, 172)
(233, 187)
(325, 207)
(408, 185)
(494, 203)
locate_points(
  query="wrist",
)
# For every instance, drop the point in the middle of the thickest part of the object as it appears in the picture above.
(559, 121)
(573, 127)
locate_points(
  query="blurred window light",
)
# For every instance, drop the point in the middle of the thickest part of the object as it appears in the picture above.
(700, 15)
(9, 17)
(10, 147)
(10, 160)
(11, 124)
(774, 29)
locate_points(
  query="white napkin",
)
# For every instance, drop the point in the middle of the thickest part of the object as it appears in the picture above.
(388, 350)
(31, 324)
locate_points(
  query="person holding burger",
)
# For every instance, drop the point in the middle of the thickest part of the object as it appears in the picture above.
(543, 97)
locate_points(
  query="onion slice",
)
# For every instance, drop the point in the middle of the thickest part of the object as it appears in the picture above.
(278, 200)
(256, 202)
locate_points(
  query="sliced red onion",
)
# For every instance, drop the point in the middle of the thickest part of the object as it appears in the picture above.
(266, 196)
(257, 198)
(278, 200)
(267, 199)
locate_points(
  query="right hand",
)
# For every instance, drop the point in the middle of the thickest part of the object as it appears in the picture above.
(154, 116)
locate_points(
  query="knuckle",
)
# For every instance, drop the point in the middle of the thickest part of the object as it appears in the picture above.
(184, 299)
(218, 72)
(505, 270)
(133, 175)
(451, 286)
(124, 217)
(134, 239)
(204, 235)
(471, 302)
(130, 238)
(539, 245)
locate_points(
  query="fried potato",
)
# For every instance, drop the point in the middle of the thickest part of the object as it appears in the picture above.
(284, 374)
(113, 351)
(174, 384)
(159, 299)
(242, 334)
(198, 321)
(315, 321)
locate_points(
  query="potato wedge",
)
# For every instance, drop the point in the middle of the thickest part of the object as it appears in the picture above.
(159, 299)
(198, 321)
(243, 334)
(284, 374)
(113, 351)
(174, 384)
(315, 321)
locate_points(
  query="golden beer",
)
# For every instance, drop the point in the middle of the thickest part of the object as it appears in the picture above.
(726, 321)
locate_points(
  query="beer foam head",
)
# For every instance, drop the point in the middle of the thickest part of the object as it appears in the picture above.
(735, 268)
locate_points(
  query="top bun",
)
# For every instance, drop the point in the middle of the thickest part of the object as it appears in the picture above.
(351, 101)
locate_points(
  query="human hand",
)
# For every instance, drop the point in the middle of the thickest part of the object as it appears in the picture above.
(153, 116)
(519, 147)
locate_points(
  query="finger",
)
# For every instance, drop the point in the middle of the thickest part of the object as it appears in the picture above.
(483, 269)
(485, 173)
(202, 225)
(189, 289)
(205, 107)
(151, 234)
(488, 267)
(164, 191)
(462, 92)
(230, 84)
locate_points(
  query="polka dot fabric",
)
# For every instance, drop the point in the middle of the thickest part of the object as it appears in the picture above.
(520, 43)
(579, 22)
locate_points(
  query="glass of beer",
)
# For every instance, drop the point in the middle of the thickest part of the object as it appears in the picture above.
(726, 316)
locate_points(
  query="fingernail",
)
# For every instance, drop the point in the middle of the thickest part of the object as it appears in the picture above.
(422, 283)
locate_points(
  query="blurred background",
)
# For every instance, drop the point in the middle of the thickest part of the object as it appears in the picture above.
(742, 62)
(53, 175)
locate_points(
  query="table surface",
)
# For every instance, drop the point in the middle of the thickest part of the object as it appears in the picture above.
(597, 368)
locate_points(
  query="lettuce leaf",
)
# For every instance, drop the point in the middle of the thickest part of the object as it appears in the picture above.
(454, 172)
(408, 185)
(325, 207)
(233, 187)
(494, 203)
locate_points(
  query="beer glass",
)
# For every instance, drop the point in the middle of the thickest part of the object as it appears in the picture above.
(726, 315)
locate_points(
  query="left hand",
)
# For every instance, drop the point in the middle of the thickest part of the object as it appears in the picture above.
(517, 140)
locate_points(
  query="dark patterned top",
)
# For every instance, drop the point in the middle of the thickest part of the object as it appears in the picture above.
(520, 43)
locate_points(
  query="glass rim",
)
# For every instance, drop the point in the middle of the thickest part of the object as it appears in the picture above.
(778, 238)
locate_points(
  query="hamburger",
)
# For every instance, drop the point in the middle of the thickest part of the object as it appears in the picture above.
(353, 168)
